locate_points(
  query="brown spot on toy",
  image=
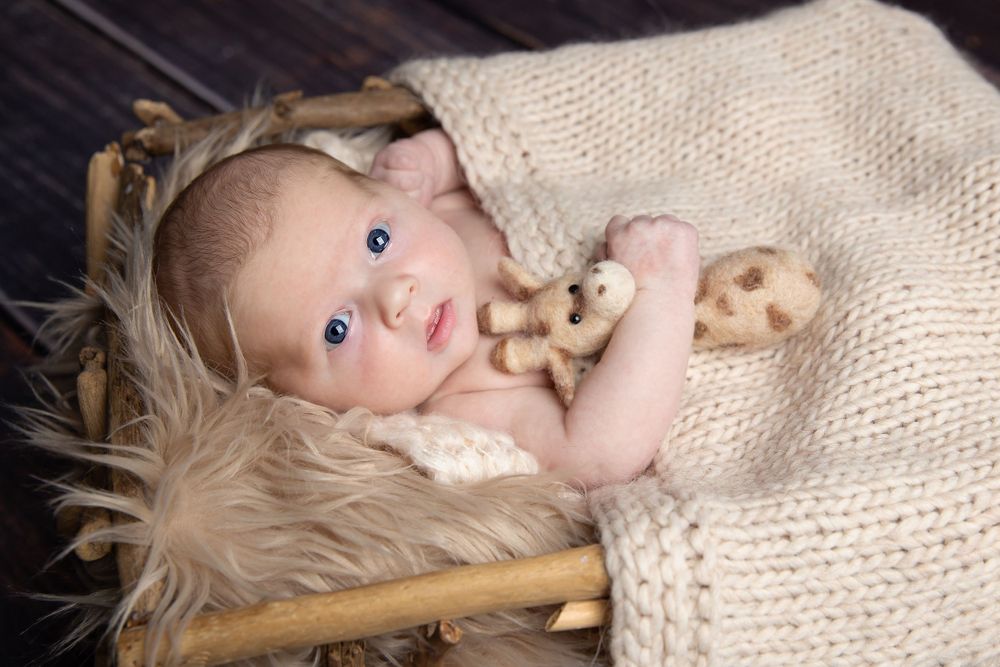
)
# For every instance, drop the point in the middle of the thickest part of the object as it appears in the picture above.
(601, 289)
(522, 293)
(765, 250)
(499, 356)
(699, 329)
(751, 279)
(537, 328)
(483, 317)
(699, 296)
(813, 278)
(596, 270)
(777, 318)
(724, 305)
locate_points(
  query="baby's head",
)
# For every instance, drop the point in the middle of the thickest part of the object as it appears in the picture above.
(335, 281)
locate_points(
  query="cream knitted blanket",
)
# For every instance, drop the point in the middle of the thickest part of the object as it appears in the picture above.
(833, 500)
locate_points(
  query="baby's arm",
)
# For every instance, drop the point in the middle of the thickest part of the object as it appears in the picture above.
(624, 406)
(423, 166)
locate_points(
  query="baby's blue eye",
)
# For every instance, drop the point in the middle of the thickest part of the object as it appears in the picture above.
(336, 328)
(378, 238)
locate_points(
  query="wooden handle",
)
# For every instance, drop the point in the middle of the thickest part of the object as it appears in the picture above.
(362, 109)
(579, 614)
(102, 195)
(310, 620)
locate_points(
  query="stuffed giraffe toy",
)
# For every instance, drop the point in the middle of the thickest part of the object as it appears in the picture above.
(747, 299)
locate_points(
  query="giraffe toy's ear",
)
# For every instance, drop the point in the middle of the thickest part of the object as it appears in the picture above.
(753, 298)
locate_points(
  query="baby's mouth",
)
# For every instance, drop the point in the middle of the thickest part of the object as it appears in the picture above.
(439, 325)
(434, 320)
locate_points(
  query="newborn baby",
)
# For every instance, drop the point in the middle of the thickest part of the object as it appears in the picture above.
(349, 290)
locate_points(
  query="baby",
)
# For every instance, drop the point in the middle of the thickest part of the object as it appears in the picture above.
(351, 290)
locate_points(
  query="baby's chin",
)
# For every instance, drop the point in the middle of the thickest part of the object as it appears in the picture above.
(380, 405)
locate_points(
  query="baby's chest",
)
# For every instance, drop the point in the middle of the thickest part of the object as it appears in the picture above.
(486, 245)
(478, 375)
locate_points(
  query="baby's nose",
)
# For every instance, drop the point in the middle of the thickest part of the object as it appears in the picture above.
(395, 295)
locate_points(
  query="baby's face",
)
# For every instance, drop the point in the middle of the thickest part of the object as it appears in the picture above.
(361, 297)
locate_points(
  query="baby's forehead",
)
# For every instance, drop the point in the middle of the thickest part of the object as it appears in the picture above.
(326, 172)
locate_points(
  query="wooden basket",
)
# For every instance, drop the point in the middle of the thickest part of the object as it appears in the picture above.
(340, 620)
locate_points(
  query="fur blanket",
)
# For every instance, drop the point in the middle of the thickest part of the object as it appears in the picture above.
(832, 500)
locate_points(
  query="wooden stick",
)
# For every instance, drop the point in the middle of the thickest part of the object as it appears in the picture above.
(362, 109)
(92, 393)
(91, 519)
(102, 193)
(151, 113)
(125, 403)
(579, 614)
(311, 620)
(441, 638)
(345, 654)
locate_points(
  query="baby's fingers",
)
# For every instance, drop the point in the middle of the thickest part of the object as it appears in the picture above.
(614, 225)
(404, 154)
(406, 181)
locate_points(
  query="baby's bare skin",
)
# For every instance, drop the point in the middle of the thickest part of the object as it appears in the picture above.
(624, 406)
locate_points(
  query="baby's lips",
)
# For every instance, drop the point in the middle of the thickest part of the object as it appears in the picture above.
(431, 321)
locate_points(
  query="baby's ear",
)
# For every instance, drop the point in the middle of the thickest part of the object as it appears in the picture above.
(521, 284)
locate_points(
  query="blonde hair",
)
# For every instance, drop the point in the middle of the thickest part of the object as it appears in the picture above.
(210, 230)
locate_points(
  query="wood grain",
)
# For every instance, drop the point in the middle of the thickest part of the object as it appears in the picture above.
(232, 46)
(58, 105)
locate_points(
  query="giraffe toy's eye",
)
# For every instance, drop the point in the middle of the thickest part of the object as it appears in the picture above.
(575, 318)
(573, 289)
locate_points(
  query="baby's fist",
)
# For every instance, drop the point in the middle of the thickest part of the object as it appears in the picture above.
(409, 166)
(660, 251)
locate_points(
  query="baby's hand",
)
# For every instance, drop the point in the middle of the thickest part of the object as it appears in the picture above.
(409, 165)
(661, 252)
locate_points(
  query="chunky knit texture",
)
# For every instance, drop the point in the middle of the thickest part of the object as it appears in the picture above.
(836, 500)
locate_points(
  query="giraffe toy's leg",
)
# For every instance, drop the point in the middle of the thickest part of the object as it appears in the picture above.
(502, 317)
(517, 280)
(520, 354)
(563, 376)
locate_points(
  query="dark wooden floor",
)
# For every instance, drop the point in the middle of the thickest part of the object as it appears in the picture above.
(70, 71)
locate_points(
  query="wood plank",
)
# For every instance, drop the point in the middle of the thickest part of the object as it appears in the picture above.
(972, 25)
(232, 46)
(550, 23)
(27, 522)
(64, 92)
